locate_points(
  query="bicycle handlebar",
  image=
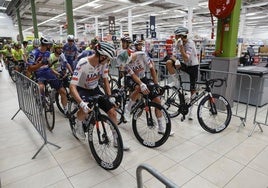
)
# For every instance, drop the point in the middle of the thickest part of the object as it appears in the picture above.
(212, 82)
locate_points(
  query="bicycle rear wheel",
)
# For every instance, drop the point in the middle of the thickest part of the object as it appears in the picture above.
(49, 112)
(11, 71)
(171, 102)
(214, 114)
(102, 135)
(145, 125)
(70, 104)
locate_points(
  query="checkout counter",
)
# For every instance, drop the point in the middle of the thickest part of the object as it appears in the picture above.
(259, 87)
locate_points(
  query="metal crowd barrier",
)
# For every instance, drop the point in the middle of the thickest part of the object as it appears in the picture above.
(30, 102)
(155, 173)
(261, 109)
(237, 90)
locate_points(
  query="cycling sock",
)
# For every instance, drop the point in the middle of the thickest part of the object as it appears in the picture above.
(160, 123)
(130, 104)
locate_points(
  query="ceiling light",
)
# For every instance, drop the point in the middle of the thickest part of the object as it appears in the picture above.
(91, 4)
(2, 8)
(257, 17)
(147, 3)
(98, 6)
(256, 5)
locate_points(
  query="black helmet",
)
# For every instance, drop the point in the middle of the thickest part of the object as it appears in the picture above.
(94, 41)
(126, 38)
(181, 31)
(105, 48)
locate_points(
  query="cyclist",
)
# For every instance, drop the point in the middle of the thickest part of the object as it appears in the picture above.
(39, 63)
(123, 56)
(184, 58)
(70, 51)
(7, 53)
(84, 84)
(92, 44)
(58, 61)
(137, 81)
(18, 55)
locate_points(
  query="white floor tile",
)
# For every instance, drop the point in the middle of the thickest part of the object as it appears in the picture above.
(191, 158)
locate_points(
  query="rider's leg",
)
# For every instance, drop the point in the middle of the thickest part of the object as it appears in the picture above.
(172, 73)
(160, 118)
(63, 96)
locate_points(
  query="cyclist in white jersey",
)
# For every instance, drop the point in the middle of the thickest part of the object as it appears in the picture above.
(84, 84)
(184, 58)
(137, 81)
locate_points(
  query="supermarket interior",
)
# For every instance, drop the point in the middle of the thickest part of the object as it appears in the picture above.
(214, 106)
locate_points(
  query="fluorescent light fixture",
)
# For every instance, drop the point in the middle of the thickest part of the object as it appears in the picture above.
(121, 9)
(256, 5)
(91, 4)
(98, 6)
(2, 8)
(256, 17)
(254, 13)
(147, 3)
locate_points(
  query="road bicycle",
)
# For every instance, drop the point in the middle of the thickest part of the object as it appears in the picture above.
(213, 111)
(102, 134)
(144, 121)
(13, 66)
(65, 83)
(48, 99)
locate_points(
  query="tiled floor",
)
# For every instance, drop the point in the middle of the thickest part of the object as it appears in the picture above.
(192, 158)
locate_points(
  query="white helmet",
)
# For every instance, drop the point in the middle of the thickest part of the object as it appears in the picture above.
(70, 38)
(36, 42)
(181, 31)
(44, 40)
(105, 48)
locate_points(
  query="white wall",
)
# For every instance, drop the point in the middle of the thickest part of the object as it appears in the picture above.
(7, 28)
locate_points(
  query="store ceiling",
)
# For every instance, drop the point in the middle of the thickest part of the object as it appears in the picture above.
(168, 13)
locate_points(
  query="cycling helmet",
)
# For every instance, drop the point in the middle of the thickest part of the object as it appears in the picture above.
(17, 45)
(25, 42)
(44, 40)
(105, 48)
(181, 31)
(57, 45)
(70, 38)
(126, 38)
(137, 42)
(94, 41)
(36, 42)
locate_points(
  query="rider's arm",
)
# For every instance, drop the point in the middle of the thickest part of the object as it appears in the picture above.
(185, 55)
(107, 87)
(74, 93)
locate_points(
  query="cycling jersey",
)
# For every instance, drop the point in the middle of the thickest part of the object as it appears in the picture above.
(190, 50)
(123, 57)
(58, 63)
(17, 54)
(6, 53)
(140, 65)
(37, 55)
(70, 53)
(86, 76)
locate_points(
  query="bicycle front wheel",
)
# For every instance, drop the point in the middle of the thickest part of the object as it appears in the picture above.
(49, 112)
(214, 113)
(146, 125)
(105, 143)
(171, 102)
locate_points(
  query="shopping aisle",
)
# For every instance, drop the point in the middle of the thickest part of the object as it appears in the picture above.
(192, 158)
